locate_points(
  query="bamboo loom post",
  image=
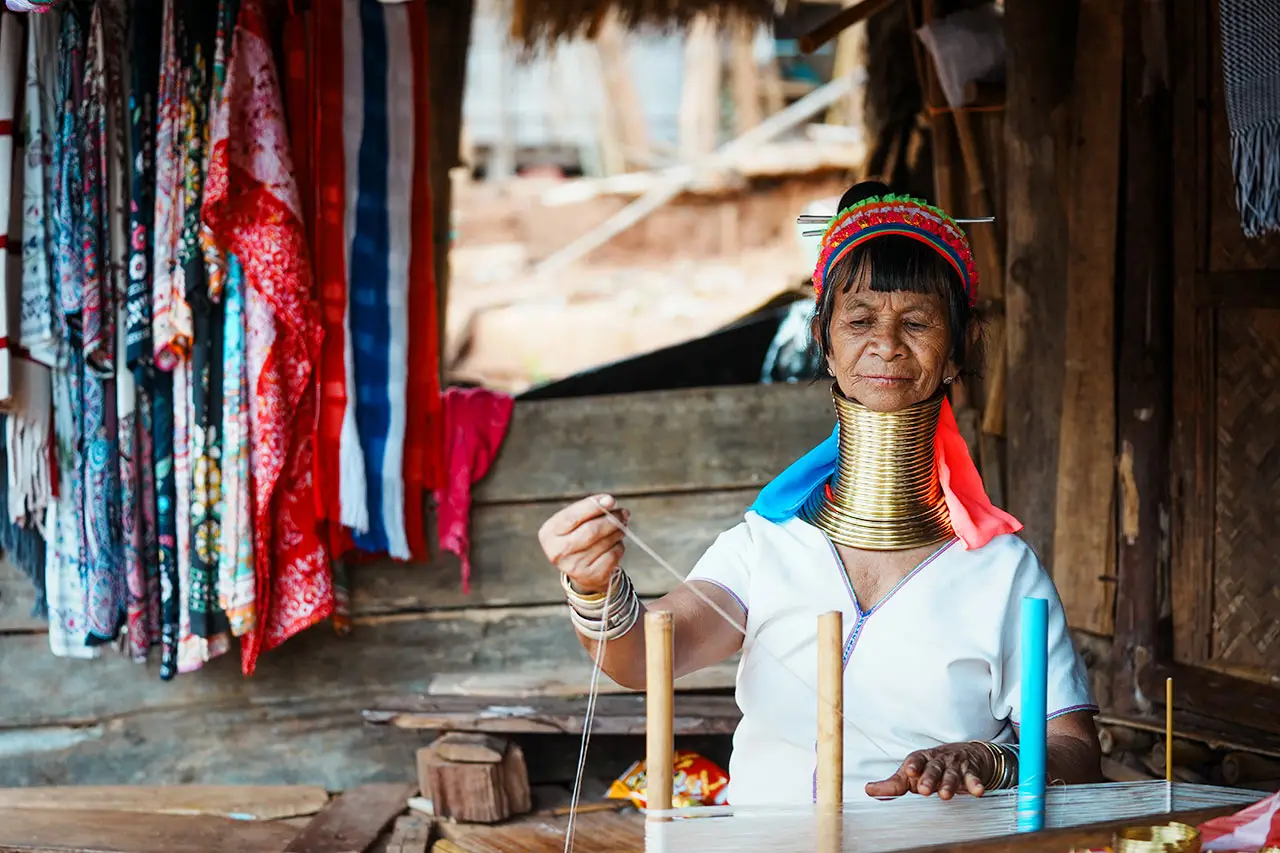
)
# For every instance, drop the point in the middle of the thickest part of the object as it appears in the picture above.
(830, 730)
(659, 711)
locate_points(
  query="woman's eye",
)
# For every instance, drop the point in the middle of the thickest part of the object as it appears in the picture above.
(916, 325)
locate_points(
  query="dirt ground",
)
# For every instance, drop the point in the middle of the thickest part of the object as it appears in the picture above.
(695, 265)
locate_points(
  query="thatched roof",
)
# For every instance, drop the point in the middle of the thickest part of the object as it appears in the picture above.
(541, 22)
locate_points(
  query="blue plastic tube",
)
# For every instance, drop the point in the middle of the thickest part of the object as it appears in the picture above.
(1031, 738)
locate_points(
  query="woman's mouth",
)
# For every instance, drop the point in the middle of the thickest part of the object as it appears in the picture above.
(886, 381)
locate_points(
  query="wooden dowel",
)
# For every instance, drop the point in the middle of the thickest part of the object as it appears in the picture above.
(1115, 739)
(1240, 768)
(841, 21)
(659, 709)
(830, 729)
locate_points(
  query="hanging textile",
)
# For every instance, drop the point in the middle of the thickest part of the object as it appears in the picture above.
(201, 373)
(389, 281)
(1251, 75)
(98, 473)
(41, 122)
(65, 593)
(140, 525)
(340, 481)
(168, 198)
(476, 422)
(227, 395)
(25, 489)
(252, 204)
(10, 61)
(425, 437)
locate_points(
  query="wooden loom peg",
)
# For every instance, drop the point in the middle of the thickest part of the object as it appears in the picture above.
(659, 712)
(830, 782)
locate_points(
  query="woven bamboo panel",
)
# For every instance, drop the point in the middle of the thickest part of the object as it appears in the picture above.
(1246, 612)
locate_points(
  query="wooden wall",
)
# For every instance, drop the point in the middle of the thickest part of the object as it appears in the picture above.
(687, 463)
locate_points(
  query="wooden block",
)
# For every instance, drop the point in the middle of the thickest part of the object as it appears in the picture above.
(352, 822)
(475, 792)
(411, 834)
(471, 748)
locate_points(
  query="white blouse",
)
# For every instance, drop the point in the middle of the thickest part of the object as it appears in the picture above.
(935, 661)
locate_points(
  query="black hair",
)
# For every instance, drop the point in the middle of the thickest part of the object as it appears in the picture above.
(897, 263)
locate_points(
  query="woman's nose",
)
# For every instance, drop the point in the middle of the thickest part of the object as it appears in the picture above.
(886, 342)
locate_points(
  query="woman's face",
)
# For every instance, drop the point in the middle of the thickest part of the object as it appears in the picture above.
(889, 351)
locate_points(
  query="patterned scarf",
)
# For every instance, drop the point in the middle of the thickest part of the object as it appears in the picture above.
(140, 519)
(98, 469)
(253, 207)
(168, 198)
(201, 419)
(41, 115)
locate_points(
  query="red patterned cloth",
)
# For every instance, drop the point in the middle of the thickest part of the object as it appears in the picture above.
(476, 423)
(329, 232)
(424, 436)
(252, 203)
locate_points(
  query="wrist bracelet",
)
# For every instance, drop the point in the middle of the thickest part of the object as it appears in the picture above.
(604, 616)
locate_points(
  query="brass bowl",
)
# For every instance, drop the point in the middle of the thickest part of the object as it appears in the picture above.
(1162, 838)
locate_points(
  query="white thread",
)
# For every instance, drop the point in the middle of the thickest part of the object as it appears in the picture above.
(628, 534)
(915, 821)
(593, 690)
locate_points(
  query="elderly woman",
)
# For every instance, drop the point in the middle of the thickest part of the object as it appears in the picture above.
(888, 521)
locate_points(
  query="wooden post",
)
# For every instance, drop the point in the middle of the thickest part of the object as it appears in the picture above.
(659, 709)
(699, 115)
(1084, 547)
(830, 791)
(625, 109)
(1144, 374)
(1036, 130)
(745, 77)
(448, 39)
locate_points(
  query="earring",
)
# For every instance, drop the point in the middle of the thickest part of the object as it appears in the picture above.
(948, 380)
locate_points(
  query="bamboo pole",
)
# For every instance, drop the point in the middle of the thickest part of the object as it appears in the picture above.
(830, 730)
(659, 710)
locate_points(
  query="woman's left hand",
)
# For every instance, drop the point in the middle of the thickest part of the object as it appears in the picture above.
(945, 770)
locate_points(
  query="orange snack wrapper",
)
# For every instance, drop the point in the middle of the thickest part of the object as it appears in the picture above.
(697, 781)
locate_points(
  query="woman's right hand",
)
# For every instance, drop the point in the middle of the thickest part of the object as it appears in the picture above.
(583, 543)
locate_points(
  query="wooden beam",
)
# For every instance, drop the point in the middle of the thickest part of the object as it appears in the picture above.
(1084, 550)
(664, 441)
(841, 21)
(1039, 82)
(614, 715)
(449, 39)
(241, 802)
(352, 821)
(1144, 379)
(1215, 696)
(1194, 429)
(87, 831)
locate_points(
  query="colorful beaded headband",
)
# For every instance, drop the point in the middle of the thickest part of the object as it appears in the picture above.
(895, 214)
